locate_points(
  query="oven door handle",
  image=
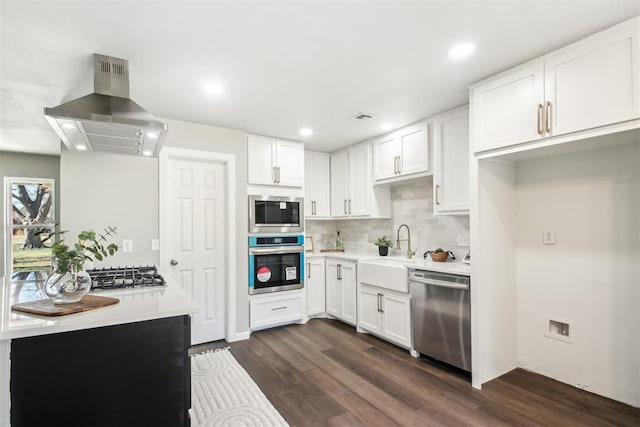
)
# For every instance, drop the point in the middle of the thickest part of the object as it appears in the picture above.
(276, 250)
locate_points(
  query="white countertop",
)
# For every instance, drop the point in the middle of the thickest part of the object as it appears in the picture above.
(136, 304)
(452, 267)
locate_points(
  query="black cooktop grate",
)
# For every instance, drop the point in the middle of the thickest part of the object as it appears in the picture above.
(125, 277)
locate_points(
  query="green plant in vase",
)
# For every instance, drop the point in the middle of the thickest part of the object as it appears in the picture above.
(68, 281)
(383, 245)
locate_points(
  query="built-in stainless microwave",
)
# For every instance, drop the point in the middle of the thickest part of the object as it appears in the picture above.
(274, 214)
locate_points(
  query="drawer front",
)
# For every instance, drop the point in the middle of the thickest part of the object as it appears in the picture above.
(274, 310)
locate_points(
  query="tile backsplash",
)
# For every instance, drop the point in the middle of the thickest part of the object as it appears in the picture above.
(411, 204)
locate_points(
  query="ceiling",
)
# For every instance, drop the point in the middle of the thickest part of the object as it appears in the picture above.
(283, 65)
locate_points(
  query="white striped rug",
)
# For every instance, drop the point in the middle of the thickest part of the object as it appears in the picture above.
(223, 394)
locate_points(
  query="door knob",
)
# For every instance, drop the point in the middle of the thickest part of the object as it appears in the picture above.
(174, 262)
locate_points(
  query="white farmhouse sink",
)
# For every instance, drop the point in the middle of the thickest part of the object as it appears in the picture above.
(388, 273)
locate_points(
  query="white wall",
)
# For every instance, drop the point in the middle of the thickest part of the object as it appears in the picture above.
(591, 276)
(208, 138)
(100, 190)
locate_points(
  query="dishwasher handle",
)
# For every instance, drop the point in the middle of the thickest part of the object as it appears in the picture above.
(442, 284)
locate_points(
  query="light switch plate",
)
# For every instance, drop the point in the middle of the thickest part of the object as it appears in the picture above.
(463, 240)
(127, 245)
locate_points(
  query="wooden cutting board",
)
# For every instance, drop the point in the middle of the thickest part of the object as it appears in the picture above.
(46, 307)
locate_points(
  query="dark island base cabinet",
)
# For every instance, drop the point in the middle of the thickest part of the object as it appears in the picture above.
(135, 374)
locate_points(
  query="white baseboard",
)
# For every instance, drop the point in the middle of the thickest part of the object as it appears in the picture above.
(239, 336)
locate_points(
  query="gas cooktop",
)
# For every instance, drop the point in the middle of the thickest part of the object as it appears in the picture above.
(125, 277)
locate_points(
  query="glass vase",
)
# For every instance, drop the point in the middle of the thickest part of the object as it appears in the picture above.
(67, 287)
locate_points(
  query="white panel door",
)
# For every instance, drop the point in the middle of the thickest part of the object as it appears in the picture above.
(396, 318)
(196, 232)
(595, 84)
(348, 292)
(385, 153)
(359, 200)
(262, 161)
(290, 163)
(339, 184)
(315, 285)
(506, 109)
(369, 310)
(333, 288)
(413, 145)
(451, 173)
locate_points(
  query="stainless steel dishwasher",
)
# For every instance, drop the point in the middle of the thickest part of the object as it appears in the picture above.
(441, 316)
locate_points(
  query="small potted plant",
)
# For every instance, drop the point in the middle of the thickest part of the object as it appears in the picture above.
(383, 245)
(68, 281)
(439, 255)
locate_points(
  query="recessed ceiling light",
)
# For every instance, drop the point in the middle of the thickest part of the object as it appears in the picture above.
(386, 126)
(69, 126)
(147, 153)
(215, 88)
(81, 147)
(461, 50)
(306, 132)
(152, 135)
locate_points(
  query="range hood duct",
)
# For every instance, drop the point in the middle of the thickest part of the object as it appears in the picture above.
(107, 120)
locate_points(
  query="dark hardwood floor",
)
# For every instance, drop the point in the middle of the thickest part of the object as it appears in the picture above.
(324, 373)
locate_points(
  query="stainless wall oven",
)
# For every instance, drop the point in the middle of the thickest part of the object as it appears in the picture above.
(274, 214)
(276, 263)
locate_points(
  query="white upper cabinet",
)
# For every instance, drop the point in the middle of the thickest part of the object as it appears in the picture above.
(594, 82)
(316, 184)
(507, 110)
(451, 192)
(401, 153)
(339, 184)
(275, 162)
(352, 192)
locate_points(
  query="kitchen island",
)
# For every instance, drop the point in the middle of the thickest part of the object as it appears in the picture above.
(125, 364)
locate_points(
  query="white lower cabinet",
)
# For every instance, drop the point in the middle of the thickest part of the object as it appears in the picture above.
(269, 310)
(341, 289)
(385, 313)
(315, 284)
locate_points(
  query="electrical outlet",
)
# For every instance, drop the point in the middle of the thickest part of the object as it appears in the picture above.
(463, 240)
(549, 237)
(127, 245)
(155, 244)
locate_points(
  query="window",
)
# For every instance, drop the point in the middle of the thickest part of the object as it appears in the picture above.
(30, 211)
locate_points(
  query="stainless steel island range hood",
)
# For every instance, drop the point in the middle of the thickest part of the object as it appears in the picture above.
(107, 120)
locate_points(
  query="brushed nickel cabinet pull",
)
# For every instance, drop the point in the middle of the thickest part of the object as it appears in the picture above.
(540, 130)
(381, 303)
(399, 165)
(548, 118)
(349, 206)
(273, 175)
(339, 271)
(437, 194)
(345, 206)
(279, 308)
(308, 270)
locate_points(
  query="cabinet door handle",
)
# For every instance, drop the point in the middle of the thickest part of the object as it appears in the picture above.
(273, 175)
(378, 295)
(399, 165)
(349, 206)
(314, 207)
(278, 174)
(540, 130)
(339, 271)
(437, 194)
(308, 270)
(279, 308)
(548, 118)
(345, 206)
(395, 165)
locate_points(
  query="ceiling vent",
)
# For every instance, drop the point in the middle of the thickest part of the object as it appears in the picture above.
(362, 116)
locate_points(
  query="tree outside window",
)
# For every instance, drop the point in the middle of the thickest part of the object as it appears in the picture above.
(31, 212)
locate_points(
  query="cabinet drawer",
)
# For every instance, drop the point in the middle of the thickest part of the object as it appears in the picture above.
(275, 310)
